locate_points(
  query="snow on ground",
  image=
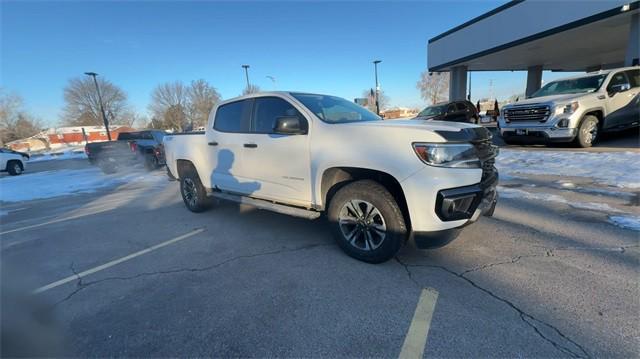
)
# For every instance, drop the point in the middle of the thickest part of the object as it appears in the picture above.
(541, 196)
(50, 184)
(628, 222)
(64, 154)
(621, 169)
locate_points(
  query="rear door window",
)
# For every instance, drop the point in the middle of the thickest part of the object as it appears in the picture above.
(268, 109)
(634, 77)
(234, 117)
(618, 79)
(461, 107)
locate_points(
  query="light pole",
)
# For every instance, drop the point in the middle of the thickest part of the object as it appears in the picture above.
(375, 65)
(246, 73)
(104, 116)
(273, 80)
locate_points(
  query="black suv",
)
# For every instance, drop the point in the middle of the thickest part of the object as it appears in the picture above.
(455, 111)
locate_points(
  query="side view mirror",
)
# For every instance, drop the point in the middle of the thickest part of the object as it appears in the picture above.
(289, 125)
(618, 88)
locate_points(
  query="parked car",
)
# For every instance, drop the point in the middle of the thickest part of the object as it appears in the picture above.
(12, 161)
(129, 149)
(456, 111)
(575, 109)
(378, 182)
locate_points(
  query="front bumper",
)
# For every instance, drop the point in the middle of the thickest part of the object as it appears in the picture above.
(538, 134)
(475, 201)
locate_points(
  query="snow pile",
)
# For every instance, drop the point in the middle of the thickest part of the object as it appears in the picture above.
(627, 222)
(67, 154)
(621, 169)
(49, 184)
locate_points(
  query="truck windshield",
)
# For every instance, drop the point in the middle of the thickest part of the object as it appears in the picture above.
(578, 85)
(433, 111)
(333, 109)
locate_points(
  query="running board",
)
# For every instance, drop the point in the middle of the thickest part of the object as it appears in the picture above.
(269, 206)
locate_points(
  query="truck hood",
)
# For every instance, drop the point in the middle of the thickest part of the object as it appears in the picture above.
(419, 130)
(547, 99)
(425, 125)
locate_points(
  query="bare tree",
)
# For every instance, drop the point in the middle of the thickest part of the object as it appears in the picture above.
(202, 97)
(15, 123)
(370, 95)
(178, 107)
(170, 104)
(250, 89)
(434, 86)
(82, 105)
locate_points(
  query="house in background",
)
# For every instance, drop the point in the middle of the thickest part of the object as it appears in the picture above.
(399, 112)
(55, 138)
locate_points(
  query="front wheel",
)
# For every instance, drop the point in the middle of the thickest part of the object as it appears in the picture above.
(367, 222)
(193, 192)
(587, 132)
(14, 168)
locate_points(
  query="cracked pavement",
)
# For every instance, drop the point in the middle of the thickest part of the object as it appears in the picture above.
(536, 280)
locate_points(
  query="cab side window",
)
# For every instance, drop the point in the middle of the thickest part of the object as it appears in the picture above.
(234, 117)
(268, 109)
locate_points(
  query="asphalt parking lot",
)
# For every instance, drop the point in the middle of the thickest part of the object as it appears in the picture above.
(128, 271)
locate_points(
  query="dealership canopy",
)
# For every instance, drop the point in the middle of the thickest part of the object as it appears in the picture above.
(536, 36)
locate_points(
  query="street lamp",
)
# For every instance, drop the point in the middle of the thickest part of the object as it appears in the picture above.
(375, 65)
(246, 73)
(104, 116)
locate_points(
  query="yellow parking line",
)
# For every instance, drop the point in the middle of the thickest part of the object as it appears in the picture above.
(115, 262)
(416, 339)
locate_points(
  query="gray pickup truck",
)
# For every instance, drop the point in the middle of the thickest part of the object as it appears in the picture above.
(575, 109)
(130, 148)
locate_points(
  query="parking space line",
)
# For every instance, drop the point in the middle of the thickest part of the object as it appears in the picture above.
(116, 261)
(416, 339)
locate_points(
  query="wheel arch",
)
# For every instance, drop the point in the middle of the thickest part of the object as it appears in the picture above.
(333, 179)
(598, 112)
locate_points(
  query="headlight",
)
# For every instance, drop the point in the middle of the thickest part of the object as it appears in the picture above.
(568, 108)
(460, 155)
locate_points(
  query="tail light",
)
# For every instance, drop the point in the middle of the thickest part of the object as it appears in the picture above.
(86, 150)
(134, 147)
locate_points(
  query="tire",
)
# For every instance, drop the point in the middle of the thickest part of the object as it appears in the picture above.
(588, 132)
(150, 162)
(372, 238)
(14, 168)
(108, 168)
(193, 192)
(510, 142)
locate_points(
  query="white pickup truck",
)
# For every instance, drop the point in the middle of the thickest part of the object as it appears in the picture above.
(380, 183)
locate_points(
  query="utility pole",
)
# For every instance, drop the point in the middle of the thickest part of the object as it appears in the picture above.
(246, 73)
(375, 65)
(104, 116)
(469, 92)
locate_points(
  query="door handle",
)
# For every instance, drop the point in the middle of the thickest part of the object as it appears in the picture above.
(212, 143)
(250, 145)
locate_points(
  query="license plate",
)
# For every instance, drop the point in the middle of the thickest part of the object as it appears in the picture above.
(521, 131)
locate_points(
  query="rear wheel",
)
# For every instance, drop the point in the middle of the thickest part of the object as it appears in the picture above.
(587, 132)
(14, 168)
(150, 162)
(367, 222)
(108, 167)
(193, 192)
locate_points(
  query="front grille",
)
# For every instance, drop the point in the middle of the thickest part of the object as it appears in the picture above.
(487, 153)
(538, 113)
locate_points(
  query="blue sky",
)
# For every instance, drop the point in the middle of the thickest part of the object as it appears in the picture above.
(322, 47)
